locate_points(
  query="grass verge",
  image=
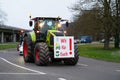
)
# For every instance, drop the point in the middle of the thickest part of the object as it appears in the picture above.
(96, 51)
(8, 45)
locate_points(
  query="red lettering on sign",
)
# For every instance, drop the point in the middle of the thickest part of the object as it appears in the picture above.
(70, 42)
(63, 40)
(63, 47)
(63, 54)
(70, 53)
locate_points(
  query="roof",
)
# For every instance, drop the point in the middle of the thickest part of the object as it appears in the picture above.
(42, 18)
(9, 27)
(5, 28)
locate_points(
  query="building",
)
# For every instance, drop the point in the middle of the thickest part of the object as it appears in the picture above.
(9, 34)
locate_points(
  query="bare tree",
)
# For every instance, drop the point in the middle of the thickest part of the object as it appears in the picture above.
(105, 19)
(86, 24)
(112, 12)
(85, 17)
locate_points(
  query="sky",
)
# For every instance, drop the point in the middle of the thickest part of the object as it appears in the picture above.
(18, 11)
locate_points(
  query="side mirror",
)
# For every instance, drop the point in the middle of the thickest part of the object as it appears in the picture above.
(30, 23)
(67, 24)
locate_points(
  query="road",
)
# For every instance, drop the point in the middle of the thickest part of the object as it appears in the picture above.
(13, 67)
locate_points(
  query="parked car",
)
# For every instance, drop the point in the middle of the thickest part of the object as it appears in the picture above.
(20, 48)
(76, 41)
(86, 39)
(103, 40)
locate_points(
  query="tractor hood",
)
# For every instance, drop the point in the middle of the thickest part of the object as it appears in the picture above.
(50, 36)
(55, 33)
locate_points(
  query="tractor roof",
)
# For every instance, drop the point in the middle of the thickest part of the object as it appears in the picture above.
(43, 18)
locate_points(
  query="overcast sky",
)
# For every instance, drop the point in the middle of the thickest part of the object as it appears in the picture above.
(18, 10)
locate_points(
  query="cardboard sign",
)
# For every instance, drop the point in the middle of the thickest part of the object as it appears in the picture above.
(63, 47)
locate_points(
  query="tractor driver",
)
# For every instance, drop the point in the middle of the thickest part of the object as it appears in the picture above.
(54, 25)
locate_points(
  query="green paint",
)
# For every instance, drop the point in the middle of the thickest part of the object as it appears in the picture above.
(57, 53)
(50, 32)
(54, 28)
(33, 36)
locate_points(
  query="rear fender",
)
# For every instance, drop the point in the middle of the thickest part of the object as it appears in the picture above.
(27, 35)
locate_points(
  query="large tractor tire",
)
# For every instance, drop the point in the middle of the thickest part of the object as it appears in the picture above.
(73, 61)
(41, 54)
(27, 50)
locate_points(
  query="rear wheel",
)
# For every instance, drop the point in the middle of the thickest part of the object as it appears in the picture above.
(27, 53)
(41, 54)
(73, 61)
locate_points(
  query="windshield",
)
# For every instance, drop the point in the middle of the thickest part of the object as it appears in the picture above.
(48, 25)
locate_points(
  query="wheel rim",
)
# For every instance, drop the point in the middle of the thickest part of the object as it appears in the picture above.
(25, 49)
(37, 55)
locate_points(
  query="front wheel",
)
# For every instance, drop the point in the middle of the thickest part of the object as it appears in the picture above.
(41, 54)
(73, 61)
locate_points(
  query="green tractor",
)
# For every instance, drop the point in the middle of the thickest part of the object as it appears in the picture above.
(39, 45)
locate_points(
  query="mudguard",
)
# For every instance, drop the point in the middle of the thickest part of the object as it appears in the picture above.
(33, 36)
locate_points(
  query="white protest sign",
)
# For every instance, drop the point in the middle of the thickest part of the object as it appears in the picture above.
(63, 47)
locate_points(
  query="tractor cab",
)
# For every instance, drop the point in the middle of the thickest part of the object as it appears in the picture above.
(46, 28)
(44, 24)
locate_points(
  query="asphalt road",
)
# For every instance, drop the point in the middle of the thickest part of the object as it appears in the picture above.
(13, 67)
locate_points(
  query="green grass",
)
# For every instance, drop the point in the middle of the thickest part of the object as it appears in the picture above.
(8, 45)
(96, 51)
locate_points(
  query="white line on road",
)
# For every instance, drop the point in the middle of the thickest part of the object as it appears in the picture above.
(117, 70)
(82, 64)
(20, 73)
(22, 67)
(62, 79)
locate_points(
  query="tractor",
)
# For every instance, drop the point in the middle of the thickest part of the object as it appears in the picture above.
(39, 44)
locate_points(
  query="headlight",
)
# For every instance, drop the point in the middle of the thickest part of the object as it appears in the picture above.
(40, 25)
(37, 31)
(65, 32)
(21, 31)
(59, 25)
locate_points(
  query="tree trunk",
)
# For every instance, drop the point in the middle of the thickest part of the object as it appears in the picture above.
(107, 24)
(117, 39)
(117, 29)
(106, 44)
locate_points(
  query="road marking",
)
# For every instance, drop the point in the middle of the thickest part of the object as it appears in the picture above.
(82, 64)
(20, 73)
(117, 70)
(22, 67)
(62, 79)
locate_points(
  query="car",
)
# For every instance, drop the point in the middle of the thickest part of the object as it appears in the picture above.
(76, 41)
(86, 39)
(20, 48)
(103, 40)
